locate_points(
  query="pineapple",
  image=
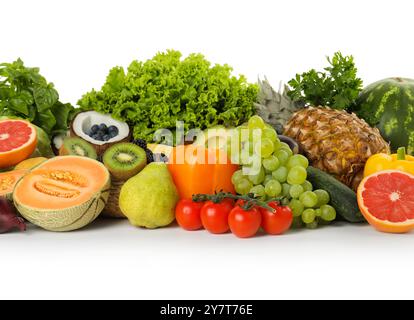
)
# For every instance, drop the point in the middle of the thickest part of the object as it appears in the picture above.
(336, 142)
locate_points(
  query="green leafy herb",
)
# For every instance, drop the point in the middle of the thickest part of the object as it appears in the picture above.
(25, 94)
(155, 94)
(337, 87)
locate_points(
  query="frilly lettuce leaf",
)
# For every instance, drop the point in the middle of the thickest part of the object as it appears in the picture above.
(156, 93)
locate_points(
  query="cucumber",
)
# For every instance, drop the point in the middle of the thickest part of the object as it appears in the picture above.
(343, 199)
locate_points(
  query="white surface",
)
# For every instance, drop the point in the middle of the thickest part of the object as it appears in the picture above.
(115, 260)
(76, 42)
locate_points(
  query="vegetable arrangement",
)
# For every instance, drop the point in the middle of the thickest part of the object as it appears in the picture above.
(238, 175)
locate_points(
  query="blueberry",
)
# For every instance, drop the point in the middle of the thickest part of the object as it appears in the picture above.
(94, 128)
(103, 127)
(113, 129)
(98, 136)
(106, 137)
(113, 134)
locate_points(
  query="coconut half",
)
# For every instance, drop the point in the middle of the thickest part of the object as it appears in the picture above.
(83, 122)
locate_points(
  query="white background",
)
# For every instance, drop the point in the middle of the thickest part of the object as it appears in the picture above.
(76, 42)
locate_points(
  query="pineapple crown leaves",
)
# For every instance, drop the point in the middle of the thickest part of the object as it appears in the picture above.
(275, 107)
(337, 86)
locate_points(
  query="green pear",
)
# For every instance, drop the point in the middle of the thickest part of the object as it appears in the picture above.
(149, 198)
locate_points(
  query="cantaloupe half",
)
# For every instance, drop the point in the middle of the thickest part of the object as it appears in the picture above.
(8, 181)
(64, 193)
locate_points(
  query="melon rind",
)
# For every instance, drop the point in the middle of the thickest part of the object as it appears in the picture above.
(388, 104)
(9, 195)
(68, 219)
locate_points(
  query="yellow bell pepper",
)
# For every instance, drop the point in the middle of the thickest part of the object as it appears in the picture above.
(381, 161)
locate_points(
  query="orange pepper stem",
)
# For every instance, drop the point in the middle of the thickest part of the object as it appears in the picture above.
(250, 200)
(401, 153)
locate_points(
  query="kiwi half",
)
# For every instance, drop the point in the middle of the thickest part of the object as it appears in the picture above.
(124, 160)
(77, 147)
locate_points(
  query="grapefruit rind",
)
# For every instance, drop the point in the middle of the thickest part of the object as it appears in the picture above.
(383, 225)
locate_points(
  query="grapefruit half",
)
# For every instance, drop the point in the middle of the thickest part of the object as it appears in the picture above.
(386, 199)
(18, 140)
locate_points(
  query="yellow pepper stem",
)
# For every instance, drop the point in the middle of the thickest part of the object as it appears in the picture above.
(401, 153)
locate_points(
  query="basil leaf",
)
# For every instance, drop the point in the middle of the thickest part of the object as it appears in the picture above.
(25, 94)
(45, 97)
(45, 120)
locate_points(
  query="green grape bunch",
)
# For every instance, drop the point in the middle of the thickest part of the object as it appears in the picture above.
(270, 170)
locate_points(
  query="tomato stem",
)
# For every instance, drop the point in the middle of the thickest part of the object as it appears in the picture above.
(250, 200)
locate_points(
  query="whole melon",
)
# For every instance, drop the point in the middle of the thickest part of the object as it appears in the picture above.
(389, 105)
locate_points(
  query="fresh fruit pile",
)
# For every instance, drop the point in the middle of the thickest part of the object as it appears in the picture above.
(226, 175)
(270, 170)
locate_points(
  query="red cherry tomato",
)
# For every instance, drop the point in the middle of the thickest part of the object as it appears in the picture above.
(244, 223)
(187, 213)
(214, 216)
(278, 222)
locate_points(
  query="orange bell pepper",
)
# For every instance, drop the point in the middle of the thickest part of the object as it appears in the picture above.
(381, 161)
(196, 169)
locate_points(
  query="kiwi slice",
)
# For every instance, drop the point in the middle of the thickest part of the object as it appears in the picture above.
(77, 147)
(125, 160)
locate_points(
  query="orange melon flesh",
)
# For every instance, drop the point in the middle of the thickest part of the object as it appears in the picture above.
(60, 183)
(8, 180)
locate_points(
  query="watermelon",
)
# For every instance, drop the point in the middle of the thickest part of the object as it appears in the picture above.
(389, 105)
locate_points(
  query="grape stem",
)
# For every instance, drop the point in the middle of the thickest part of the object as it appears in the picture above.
(250, 200)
